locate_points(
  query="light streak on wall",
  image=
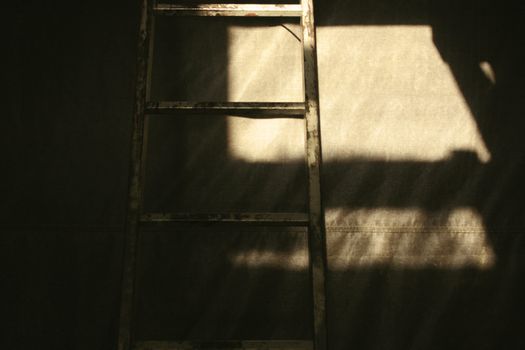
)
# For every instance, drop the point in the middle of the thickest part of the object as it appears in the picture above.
(393, 238)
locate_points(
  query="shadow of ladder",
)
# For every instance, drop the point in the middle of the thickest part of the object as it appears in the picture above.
(313, 219)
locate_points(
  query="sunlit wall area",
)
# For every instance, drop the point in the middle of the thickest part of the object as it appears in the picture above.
(386, 93)
(407, 239)
(265, 64)
(397, 130)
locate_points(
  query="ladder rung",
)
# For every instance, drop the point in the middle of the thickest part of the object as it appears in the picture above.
(291, 219)
(232, 10)
(250, 109)
(226, 345)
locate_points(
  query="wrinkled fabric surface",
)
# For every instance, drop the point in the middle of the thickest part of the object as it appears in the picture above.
(422, 123)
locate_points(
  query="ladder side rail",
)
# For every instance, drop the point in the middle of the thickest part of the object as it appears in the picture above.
(135, 186)
(316, 227)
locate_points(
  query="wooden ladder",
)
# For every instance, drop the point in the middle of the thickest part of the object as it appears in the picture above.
(313, 219)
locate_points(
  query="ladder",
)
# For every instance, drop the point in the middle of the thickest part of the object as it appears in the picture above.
(313, 219)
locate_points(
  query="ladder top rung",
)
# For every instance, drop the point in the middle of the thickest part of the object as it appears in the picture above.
(232, 10)
(289, 219)
(226, 345)
(260, 109)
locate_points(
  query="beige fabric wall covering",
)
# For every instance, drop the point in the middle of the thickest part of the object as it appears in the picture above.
(422, 130)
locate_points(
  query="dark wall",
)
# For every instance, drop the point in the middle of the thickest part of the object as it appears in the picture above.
(69, 84)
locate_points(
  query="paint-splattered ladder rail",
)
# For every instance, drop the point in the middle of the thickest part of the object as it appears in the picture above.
(309, 111)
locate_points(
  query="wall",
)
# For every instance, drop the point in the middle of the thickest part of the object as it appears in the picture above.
(422, 133)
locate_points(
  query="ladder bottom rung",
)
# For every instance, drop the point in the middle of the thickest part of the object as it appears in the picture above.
(225, 345)
(290, 219)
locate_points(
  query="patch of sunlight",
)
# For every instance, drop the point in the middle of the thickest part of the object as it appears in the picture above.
(487, 70)
(265, 64)
(385, 94)
(397, 238)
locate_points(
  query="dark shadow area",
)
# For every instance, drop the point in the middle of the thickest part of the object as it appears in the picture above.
(69, 107)
(66, 126)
